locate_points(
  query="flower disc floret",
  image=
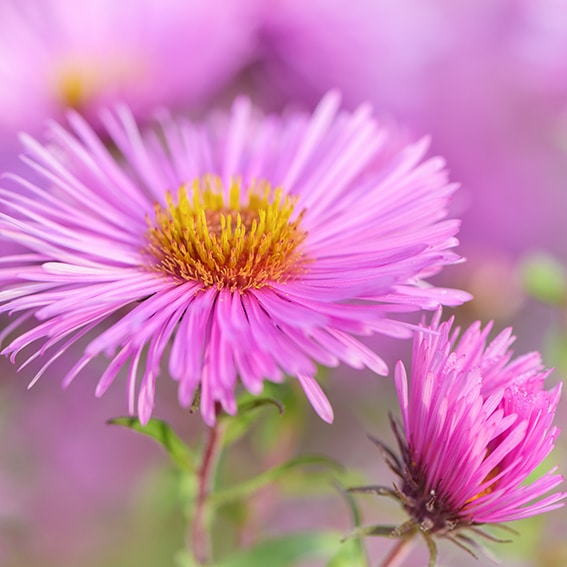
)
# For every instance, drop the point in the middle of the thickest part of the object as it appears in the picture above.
(231, 245)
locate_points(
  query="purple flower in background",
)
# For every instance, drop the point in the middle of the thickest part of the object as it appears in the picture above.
(246, 247)
(476, 424)
(485, 79)
(541, 42)
(59, 53)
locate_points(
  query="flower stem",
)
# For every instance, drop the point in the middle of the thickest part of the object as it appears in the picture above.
(399, 552)
(200, 537)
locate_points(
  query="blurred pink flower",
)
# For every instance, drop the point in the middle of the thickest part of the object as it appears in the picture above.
(541, 43)
(476, 424)
(284, 237)
(88, 53)
(476, 74)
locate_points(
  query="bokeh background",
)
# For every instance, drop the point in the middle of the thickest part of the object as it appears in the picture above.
(487, 80)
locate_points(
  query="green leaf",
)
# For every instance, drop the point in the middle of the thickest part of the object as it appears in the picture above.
(239, 424)
(161, 432)
(544, 278)
(248, 487)
(285, 551)
(255, 403)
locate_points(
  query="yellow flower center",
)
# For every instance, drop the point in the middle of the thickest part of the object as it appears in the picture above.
(80, 79)
(245, 243)
(73, 90)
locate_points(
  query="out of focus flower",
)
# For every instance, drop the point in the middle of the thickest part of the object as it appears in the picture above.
(84, 54)
(541, 42)
(248, 247)
(475, 74)
(476, 424)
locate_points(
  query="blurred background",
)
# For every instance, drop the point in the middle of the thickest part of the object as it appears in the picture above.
(486, 80)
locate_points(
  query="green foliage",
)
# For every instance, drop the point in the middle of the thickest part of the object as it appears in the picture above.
(225, 505)
(286, 551)
(161, 432)
(288, 426)
(348, 555)
(351, 553)
(556, 350)
(544, 278)
(184, 559)
(248, 487)
(366, 531)
(238, 425)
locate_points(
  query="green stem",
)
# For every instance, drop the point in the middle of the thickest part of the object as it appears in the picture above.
(399, 552)
(200, 537)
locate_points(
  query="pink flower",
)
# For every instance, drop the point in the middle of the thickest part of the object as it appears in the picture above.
(540, 42)
(475, 425)
(247, 247)
(487, 80)
(60, 53)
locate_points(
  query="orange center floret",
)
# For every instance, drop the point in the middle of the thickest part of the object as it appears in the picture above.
(242, 244)
(489, 489)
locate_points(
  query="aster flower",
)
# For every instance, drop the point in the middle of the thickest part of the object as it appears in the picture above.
(475, 425)
(87, 54)
(246, 248)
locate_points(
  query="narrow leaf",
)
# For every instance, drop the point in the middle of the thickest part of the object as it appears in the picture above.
(261, 402)
(161, 432)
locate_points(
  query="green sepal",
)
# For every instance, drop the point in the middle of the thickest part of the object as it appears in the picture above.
(161, 432)
(285, 551)
(432, 547)
(248, 487)
(366, 531)
(238, 425)
(374, 490)
(352, 552)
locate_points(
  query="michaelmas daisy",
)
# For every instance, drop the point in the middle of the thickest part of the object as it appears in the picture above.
(246, 248)
(476, 424)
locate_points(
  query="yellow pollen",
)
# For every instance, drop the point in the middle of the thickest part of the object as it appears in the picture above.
(245, 243)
